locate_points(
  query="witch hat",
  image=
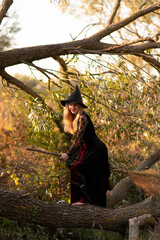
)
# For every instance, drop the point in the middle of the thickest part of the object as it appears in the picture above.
(75, 97)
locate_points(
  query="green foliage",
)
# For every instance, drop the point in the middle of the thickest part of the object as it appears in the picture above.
(13, 230)
(87, 234)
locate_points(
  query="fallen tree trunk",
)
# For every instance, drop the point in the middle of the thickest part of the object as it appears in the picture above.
(20, 206)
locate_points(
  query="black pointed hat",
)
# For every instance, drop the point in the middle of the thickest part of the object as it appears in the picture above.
(75, 97)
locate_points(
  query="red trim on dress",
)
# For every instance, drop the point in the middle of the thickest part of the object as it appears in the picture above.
(75, 178)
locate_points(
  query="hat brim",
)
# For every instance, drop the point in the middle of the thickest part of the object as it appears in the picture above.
(63, 102)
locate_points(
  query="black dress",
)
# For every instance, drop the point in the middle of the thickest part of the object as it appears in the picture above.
(88, 163)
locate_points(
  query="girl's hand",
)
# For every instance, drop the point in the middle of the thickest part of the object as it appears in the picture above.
(64, 156)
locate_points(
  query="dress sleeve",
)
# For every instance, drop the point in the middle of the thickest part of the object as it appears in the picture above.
(78, 139)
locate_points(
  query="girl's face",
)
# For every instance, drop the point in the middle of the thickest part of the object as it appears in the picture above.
(74, 108)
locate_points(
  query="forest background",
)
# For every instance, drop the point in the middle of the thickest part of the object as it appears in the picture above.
(120, 88)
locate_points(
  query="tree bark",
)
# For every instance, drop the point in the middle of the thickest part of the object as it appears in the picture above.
(146, 219)
(4, 8)
(137, 222)
(20, 206)
(30, 54)
(133, 229)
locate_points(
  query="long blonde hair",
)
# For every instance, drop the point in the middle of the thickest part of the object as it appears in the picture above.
(69, 120)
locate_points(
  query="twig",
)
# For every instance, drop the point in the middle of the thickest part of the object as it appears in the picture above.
(117, 5)
(43, 71)
(114, 27)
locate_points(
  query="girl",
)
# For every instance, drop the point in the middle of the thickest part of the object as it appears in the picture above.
(87, 158)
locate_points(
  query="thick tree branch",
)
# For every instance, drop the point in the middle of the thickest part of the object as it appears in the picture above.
(30, 54)
(120, 190)
(4, 8)
(20, 206)
(123, 49)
